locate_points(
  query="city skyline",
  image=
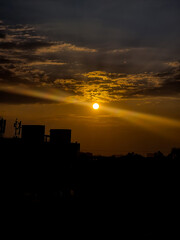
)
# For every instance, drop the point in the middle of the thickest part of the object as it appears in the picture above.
(58, 58)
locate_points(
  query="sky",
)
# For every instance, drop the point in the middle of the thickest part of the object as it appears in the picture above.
(57, 58)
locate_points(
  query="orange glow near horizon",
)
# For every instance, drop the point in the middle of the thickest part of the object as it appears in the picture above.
(143, 120)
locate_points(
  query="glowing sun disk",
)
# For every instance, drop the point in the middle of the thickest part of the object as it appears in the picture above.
(143, 119)
(96, 106)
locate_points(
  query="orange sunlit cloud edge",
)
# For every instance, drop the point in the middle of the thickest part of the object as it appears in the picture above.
(58, 96)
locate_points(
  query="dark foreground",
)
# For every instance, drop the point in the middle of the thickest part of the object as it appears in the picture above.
(46, 194)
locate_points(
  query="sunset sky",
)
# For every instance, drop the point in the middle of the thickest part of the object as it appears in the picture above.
(58, 57)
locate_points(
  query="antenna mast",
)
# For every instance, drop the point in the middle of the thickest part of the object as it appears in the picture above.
(17, 128)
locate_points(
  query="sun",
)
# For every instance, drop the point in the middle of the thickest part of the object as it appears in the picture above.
(96, 106)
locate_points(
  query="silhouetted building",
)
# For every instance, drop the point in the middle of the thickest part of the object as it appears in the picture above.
(33, 134)
(175, 154)
(60, 136)
(2, 126)
(86, 156)
(61, 146)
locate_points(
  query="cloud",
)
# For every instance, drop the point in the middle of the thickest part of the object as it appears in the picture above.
(40, 63)
(90, 74)
(174, 64)
(126, 50)
(13, 99)
(56, 47)
(168, 85)
(2, 31)
(2, 35)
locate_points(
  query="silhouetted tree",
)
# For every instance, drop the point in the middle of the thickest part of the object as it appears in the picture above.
(159, 155)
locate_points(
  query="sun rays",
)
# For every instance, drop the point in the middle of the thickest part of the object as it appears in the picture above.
(143, 120)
